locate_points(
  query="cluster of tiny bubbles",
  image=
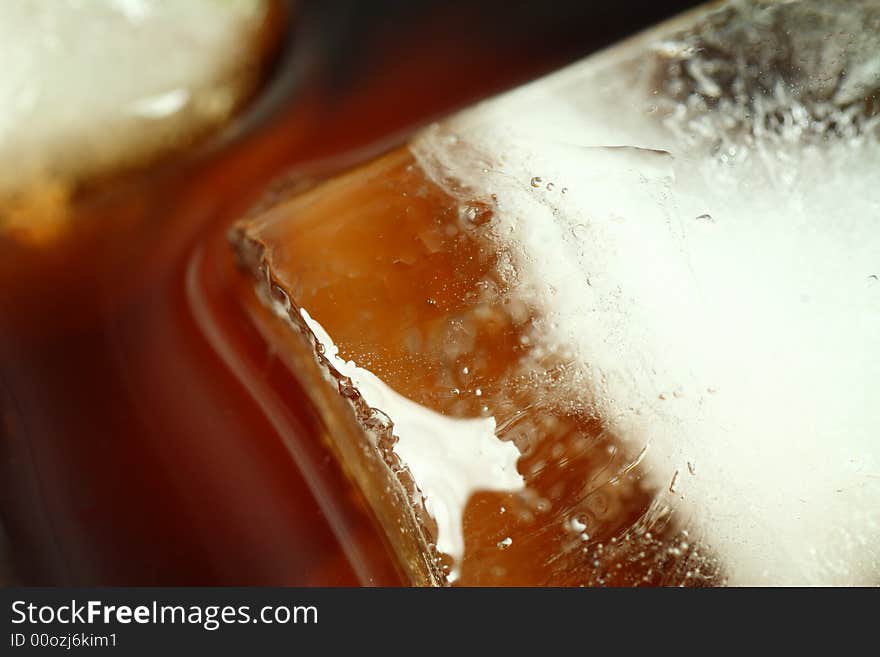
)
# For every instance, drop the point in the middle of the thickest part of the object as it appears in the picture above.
(379, 421)
(674, 560)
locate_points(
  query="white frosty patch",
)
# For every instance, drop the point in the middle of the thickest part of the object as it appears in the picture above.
(450, 458)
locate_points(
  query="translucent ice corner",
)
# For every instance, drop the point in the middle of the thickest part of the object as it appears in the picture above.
(82, 93)
(639, 299)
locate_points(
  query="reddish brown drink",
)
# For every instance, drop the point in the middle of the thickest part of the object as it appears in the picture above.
(150, 435)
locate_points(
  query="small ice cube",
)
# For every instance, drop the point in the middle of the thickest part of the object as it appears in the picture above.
(91, 86)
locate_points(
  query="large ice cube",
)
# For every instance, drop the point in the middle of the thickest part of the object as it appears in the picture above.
(696, 214)
(656, 272)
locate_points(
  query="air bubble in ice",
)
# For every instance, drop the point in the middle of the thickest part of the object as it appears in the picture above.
(347, 388)
(474, 213)
(578, 523)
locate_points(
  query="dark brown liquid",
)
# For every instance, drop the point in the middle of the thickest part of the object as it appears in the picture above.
(148, 434)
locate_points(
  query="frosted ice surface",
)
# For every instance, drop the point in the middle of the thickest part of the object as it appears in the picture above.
(87, 83)
(696, 213)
